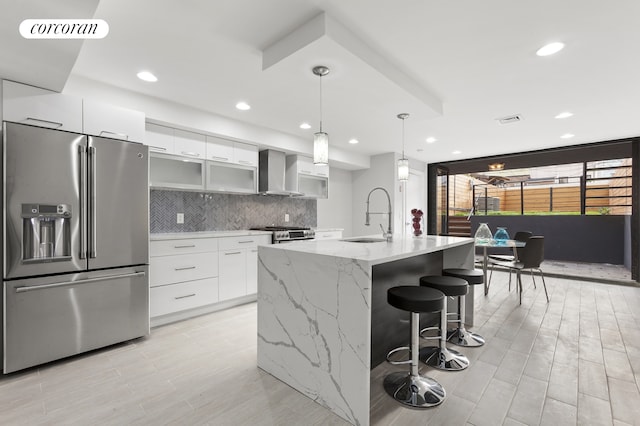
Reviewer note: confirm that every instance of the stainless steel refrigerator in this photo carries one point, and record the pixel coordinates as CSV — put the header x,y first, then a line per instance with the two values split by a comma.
x,y
75,246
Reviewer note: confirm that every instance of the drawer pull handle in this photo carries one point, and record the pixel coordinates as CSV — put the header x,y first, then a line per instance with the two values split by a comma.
x,y
235,252
213,157
185,296
185,268
188,246
245,242
191,153
245,162
157,148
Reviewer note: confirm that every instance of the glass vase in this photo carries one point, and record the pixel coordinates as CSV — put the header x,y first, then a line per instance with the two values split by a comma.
x,y
483,234
501,236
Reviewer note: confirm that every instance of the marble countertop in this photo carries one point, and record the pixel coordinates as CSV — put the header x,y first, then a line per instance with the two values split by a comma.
x,y
206,234
327,229
378,252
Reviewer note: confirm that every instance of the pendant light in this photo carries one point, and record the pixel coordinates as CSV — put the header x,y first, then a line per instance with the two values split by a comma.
x,y
320,139
403,163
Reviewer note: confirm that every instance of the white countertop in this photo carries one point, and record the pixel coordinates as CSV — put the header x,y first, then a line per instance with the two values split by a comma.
x,y
378,252
206,234
327,229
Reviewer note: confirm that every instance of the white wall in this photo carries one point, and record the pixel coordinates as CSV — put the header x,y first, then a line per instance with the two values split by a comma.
x,y
382,173
337,210
178,115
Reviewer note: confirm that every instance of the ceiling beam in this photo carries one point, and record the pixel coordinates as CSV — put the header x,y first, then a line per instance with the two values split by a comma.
x,y
323,26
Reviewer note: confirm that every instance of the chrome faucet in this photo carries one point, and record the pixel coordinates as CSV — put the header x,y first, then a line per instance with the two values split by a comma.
x,y
388,234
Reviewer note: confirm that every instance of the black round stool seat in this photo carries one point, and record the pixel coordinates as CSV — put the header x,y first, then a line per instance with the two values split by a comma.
x,y
413,298
472,276
450,286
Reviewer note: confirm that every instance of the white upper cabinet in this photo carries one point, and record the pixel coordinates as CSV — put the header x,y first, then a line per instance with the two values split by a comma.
x,y
305,166
39,107
227,151
114,122
219,149
44,108
306,178
189,144
245,154
159,138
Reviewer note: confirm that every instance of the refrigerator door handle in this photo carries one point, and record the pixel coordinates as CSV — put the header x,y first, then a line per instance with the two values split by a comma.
x,y
83,201
85,281
92,204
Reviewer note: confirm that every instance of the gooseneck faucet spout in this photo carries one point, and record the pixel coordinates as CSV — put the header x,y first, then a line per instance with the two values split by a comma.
x,y
388,234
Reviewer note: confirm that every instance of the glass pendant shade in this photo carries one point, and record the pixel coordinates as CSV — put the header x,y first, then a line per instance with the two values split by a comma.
x,y
321,148
403,169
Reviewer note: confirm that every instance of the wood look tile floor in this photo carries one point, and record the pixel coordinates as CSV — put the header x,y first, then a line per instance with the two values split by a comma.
x,y
573,361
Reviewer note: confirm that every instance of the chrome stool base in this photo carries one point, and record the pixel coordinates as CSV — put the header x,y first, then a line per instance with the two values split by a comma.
x,y
414,391
463,337
443,358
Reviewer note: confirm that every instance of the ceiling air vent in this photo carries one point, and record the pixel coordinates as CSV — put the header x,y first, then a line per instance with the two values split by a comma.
x,y
510,119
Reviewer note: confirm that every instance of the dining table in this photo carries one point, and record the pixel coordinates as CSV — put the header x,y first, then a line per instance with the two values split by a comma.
x,y
492,243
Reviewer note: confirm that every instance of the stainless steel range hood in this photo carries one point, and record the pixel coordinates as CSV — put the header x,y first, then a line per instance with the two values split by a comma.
x,y
271,174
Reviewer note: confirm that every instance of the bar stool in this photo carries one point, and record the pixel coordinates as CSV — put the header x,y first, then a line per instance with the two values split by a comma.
x,y
440,356
413,389
461,336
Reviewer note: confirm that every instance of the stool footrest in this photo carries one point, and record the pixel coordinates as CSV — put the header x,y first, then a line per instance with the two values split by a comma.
x,y
393,351
424,330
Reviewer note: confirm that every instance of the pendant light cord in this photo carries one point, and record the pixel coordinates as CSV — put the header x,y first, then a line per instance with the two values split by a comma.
x,y
403,138
320,103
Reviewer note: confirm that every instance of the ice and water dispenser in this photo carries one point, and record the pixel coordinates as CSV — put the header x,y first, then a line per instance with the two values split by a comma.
x,y
46,232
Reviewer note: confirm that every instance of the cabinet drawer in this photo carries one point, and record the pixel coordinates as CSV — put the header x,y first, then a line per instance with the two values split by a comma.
x,y
170,247
178,297
250,241
184,267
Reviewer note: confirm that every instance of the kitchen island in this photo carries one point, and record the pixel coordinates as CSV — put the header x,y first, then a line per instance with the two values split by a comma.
x,y
323,317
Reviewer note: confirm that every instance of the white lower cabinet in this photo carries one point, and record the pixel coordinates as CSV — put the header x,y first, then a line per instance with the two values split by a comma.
x,y
233,275
189,275
171,298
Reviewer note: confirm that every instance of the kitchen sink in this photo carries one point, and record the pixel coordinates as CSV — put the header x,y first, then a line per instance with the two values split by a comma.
x,y
364,240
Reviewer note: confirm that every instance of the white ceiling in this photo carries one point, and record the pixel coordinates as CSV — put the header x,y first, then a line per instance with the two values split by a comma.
x,y
472,60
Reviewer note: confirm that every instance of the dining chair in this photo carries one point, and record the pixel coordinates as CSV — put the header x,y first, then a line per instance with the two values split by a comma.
x,y
531,257
522,236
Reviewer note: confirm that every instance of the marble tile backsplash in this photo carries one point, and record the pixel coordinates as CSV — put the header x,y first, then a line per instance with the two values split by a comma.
x,y
226,212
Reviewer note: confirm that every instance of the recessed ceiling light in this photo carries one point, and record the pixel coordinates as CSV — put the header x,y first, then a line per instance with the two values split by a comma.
x,y
353,141
243,106
147,76
431,139
565,114
305,126
550,49
456,152
567,136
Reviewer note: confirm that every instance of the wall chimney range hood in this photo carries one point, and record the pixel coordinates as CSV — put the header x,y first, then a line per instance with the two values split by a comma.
x,y
272,165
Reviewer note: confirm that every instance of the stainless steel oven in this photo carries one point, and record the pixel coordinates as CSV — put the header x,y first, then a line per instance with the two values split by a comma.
x,y
287,234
